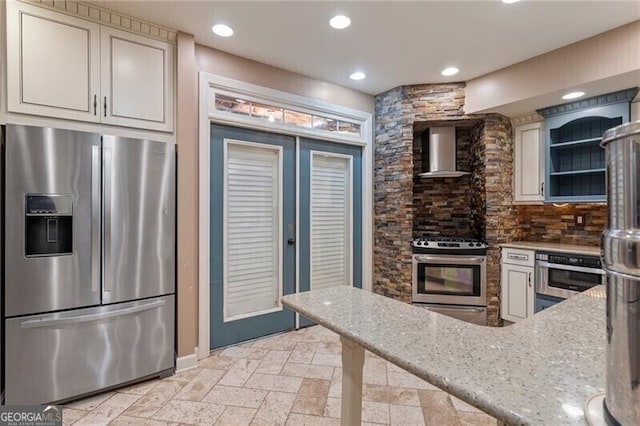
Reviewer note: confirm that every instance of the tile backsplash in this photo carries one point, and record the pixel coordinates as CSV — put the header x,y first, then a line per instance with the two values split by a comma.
x,y
442,206
556,224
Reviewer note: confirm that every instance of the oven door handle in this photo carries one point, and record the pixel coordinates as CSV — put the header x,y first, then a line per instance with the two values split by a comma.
x,y
459,260
562,267
459,308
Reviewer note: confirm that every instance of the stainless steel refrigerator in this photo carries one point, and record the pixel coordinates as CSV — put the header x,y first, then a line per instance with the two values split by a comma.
x,y
89,262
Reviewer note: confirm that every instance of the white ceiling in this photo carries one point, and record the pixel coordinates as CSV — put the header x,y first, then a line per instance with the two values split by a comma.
x,y
394,43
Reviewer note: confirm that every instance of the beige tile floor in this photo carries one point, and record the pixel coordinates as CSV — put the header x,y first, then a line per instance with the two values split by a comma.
x,y
288,379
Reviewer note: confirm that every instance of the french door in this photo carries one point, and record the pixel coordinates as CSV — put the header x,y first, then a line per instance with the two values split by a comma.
x,y
252,233
254,200
330,216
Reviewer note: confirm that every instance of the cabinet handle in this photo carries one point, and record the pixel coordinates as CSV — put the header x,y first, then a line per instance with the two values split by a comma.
x,y
105,106
95,104
518,256
542,189
529,279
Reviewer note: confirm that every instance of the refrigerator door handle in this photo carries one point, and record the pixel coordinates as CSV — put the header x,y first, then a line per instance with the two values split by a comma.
x,y
53,322
95,218
106,203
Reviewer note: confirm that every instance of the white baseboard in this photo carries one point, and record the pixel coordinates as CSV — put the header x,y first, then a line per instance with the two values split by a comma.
x,y
187,362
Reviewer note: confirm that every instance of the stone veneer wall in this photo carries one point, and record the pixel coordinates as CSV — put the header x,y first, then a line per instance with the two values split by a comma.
x,y
479,204
556,224
395,114
501,223
393,193
478,197
442,206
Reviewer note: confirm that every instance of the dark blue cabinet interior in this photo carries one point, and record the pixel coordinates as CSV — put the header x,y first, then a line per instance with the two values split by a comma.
x,y
575,162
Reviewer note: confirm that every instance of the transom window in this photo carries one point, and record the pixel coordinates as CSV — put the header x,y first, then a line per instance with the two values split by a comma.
x,y
272,113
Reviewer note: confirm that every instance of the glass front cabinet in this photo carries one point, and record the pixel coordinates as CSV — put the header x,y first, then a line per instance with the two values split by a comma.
x,y
575,163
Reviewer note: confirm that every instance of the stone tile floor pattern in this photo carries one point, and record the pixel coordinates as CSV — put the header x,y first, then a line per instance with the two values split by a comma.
x,y
288,379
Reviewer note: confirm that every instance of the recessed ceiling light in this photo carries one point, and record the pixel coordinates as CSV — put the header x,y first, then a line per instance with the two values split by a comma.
x,y
357,76
222,30
450,71
510,1
573,95
340,22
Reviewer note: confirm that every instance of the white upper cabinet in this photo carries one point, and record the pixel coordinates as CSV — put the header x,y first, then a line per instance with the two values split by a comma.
x,y
528,170
53,63
137,81
66,67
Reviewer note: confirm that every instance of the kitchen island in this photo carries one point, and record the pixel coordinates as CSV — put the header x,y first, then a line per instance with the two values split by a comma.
x,y
539,371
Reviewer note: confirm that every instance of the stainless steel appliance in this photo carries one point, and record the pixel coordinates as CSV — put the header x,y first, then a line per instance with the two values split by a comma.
x,y
560,276
449,276
90,262
621,259
440,153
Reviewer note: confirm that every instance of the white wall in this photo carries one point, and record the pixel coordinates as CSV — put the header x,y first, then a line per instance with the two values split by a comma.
x,y
606,62
227,65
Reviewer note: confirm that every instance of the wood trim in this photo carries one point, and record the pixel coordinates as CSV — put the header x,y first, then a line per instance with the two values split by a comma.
x,y
532,117
204,321
187,362
225,253
104,16
596,101
349,238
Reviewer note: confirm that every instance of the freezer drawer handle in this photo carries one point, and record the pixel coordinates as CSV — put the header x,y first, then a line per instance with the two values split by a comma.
x,y
39,323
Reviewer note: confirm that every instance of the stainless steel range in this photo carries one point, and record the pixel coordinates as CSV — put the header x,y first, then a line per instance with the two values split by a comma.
x,y
449,277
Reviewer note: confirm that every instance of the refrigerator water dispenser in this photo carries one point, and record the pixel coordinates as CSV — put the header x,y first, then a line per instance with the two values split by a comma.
x,y
48,225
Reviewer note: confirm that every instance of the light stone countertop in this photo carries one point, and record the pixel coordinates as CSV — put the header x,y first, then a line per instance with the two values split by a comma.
x,y
557,247
539,371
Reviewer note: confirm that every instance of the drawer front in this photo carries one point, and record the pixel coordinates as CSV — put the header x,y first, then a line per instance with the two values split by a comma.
x,y
515,256
59,356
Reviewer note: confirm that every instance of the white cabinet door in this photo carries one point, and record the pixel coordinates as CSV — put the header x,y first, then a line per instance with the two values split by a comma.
x,y
529,164
53,63
517,292
137,81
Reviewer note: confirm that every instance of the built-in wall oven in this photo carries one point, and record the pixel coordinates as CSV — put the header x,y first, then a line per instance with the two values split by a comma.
x,y
449,277
560,276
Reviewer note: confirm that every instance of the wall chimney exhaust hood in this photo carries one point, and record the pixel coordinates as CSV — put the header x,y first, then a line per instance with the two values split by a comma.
x,y
439,153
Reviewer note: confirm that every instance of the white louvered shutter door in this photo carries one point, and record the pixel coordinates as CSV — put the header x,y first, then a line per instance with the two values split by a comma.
x,y
253,195
330,221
